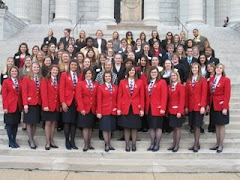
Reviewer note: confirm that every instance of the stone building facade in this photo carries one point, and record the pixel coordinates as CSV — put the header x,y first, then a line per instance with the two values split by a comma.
x,y
211,12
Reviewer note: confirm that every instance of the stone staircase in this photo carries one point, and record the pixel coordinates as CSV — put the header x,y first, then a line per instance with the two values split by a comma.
x,y
119,160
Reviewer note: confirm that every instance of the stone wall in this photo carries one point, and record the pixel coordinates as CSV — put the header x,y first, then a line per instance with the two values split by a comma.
x,y
9,24
88,8
168,11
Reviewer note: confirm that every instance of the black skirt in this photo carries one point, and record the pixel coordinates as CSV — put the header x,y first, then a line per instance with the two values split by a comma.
x,y
174,121
154,122
131,121
218,118
71,115
50,116
87,121
12,118
196,118
33,115
107,123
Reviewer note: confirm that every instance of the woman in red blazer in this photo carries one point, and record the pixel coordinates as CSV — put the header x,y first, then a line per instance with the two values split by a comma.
x,y
32,101
155,106
50,104
196,101
219,97
176,102
86,97
131,106
68,84
12,105
107,108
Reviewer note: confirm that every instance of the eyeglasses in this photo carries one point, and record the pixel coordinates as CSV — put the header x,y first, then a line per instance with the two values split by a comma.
x,y
169,35
129,35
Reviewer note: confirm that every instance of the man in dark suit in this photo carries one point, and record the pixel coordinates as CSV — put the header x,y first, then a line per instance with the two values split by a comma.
x,y
99,42
210,59
187,61
199,40
65,39
168,55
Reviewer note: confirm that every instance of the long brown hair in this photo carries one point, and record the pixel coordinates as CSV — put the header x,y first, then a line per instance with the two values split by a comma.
x,y
30,75
128,70
149,74
48,77
220,64
199,78
178,77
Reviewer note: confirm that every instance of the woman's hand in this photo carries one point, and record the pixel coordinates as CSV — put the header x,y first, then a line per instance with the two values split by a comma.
x,y
46,109
202,110
99,116
119,112
224,111
64,107
26,108
179,115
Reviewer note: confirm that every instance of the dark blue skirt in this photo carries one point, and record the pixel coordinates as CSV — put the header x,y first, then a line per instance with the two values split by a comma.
x,y
12,118
71,115
33,115
174,121
50,116
87,121
131,121
107,123
196,118
218,118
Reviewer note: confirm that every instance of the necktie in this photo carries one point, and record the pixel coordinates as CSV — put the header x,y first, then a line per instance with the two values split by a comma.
x,y
36,81
74,79
131,87
214,85
110,88
150,88
173,87
169,56
55,82
189,60
16,84
193,82
90,85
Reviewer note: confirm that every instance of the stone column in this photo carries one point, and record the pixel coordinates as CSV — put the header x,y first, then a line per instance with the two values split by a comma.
x,y
195,12
45,11
106,11
35,11
22,10
235,12
63,11
151,11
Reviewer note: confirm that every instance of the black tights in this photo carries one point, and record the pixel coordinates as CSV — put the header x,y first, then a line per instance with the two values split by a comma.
x,y
31,129
70,129
12,133
156,135
133,133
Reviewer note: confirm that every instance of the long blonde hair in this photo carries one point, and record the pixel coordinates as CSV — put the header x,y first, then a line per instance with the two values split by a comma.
x,y
31,74
5,69
199,71
62,65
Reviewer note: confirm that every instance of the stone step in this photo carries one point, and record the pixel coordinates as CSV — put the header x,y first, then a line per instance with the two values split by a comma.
x,y
121,165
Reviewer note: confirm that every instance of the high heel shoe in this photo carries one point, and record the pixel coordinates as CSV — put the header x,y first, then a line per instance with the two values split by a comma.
x,y
134,148
156,148
213,148
171,148
85,149
47,148
53,146
68,145
106,148
195,149
111,148
220,149
175,149
127,149
32,147
90,147
192,148
150,148
73,145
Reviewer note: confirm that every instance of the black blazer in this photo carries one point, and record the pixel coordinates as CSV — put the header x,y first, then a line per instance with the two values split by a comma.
x,y
65,42
16,59
103,45
213,60
150,41
182,70
48,41
80,44
120,74
187,65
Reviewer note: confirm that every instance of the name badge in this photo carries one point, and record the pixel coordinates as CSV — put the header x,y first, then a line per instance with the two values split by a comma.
x,y
175,107
17,57
5,76
98,70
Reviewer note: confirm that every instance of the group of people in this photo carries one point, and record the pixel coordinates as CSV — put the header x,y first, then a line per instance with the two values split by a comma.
x,y
123,84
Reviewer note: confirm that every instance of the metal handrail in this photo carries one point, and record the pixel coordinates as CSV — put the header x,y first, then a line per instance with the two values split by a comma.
x,y
78,22
183,27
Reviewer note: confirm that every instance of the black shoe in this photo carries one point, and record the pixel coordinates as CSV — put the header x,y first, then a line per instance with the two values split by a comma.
x,y
202,130
121,139
127,149
32,147
85,149
47,148
53,146
16,145
144,130
192,148
24,129
175,149
134,148
195,149
90,147
59,129
220,149
150,148
156,148
73,145
68,145
170,149
213,148
106,148
111,148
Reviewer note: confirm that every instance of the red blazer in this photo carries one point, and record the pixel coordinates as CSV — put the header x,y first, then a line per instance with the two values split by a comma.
x,y
221,97
30,93
85,99
50,95
67,90
106,101
176,99
158,98
125,99
11,98
196,97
